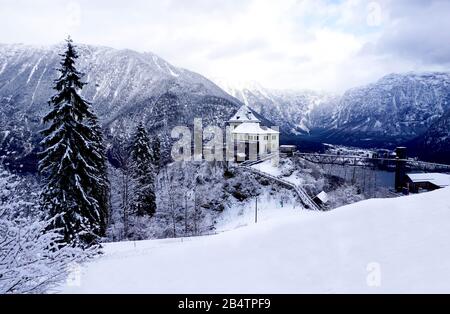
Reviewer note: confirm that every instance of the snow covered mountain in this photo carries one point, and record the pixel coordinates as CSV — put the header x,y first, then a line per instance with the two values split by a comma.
x,y
396,109
124,86
291,110
127,87
435,143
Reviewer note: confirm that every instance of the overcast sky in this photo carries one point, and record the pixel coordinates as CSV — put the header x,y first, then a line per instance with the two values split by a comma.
x,y
297,44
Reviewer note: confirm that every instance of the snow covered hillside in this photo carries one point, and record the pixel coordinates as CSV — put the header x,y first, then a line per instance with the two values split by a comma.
x,y
374,246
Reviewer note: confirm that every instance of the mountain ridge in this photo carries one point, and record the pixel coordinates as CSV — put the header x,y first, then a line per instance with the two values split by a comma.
x,y
397,109
125,87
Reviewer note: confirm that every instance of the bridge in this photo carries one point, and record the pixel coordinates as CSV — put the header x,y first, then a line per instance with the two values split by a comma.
x,y
364,161
401,164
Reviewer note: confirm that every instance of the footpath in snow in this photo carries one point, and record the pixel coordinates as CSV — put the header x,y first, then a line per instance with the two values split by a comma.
x,y
399,245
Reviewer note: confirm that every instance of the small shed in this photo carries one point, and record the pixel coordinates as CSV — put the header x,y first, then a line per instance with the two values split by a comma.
x,y
417,182
321,199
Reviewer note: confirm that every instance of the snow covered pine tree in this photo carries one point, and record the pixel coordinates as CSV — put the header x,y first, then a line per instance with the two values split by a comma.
x,y
73,161
143,172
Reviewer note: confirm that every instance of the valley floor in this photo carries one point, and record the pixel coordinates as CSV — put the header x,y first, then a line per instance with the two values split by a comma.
x,y
375,246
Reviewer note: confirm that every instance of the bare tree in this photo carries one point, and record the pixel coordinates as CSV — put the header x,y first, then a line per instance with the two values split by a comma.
x,y
197,212
185,213
120,155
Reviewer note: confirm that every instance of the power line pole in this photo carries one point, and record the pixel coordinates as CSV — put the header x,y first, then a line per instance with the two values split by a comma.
x,y
185,213
256,210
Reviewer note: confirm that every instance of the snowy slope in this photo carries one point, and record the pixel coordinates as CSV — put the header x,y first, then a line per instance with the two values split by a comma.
x,y
406,239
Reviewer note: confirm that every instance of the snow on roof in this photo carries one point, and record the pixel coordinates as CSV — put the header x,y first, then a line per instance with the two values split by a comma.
x,y
269,130
288,146
244,114
438,179
252,128
323,197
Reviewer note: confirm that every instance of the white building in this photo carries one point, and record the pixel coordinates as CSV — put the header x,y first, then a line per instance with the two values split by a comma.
x,y
418,182
251,137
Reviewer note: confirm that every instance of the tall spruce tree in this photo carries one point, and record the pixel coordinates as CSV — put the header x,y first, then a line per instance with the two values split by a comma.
x,y
73,160
144,173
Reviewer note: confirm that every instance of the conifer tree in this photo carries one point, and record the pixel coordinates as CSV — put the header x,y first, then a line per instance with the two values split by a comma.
x,y
73,160
144,173
156,154
101,189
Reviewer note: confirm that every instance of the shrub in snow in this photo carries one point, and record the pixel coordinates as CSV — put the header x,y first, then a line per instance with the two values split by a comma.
x,y
344,195
17,196
287,167
32,260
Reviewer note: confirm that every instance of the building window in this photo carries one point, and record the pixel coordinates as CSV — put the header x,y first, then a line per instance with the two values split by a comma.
x,y
274,137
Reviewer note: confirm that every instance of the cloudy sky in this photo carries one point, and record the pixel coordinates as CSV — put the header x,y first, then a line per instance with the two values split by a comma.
x,y
316,44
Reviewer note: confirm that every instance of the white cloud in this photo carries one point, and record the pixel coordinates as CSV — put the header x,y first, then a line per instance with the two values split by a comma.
x,y
316,44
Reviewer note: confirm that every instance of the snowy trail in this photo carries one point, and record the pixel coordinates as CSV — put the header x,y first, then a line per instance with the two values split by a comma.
x,y
406,239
